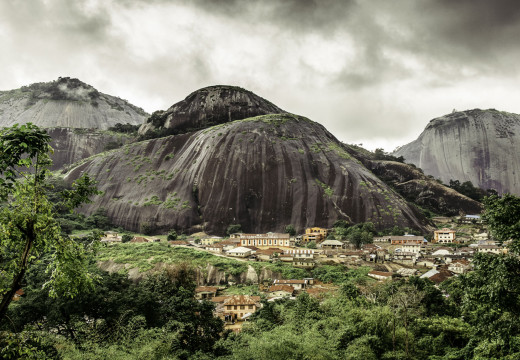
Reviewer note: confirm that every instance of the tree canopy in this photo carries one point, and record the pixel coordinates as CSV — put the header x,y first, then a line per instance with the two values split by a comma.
x,y
28,229
502,215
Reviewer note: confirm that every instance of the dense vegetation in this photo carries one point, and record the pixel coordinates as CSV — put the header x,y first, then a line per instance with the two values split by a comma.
x,y
158,318
467,188
73,310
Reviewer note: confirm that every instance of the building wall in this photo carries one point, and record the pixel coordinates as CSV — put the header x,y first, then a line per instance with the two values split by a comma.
x,y
238,311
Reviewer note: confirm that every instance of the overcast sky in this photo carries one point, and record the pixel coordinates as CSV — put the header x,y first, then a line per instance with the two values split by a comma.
x,y
372,72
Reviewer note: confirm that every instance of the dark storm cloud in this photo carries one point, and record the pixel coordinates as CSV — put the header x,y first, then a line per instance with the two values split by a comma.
x,y
332,60
445,35
475,31
58,17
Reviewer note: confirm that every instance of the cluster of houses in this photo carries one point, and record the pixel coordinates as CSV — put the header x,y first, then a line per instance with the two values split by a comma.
x,y
234,310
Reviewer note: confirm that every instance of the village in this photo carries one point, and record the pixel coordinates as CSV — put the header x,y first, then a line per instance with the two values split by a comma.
x,y
449,253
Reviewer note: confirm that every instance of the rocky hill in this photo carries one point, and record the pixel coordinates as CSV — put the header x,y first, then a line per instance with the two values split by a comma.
x,y
480,146
416,187
206,107
73,145
67,103
264,173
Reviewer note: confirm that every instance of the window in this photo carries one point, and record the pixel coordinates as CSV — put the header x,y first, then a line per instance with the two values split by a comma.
x,y
242,307
250,306
235,307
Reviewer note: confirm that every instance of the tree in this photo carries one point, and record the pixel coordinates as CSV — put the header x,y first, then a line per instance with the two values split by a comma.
x,y
28,229
126,238
289,229
341,224
502,215
311,245
99,220
172,235
233,228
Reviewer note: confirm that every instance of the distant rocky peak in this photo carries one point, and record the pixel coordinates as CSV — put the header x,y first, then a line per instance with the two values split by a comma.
x,y
65,88
207,107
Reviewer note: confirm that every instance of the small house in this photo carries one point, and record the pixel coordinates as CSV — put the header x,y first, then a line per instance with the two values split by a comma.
x,y
380,275
240,251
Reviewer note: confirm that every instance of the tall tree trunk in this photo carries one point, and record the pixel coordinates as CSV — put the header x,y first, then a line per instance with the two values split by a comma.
x,y
17,280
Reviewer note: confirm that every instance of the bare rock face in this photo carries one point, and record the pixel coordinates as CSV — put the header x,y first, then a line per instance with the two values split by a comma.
x,y
73,145
68,103
209,106
480,146
264,173
422,190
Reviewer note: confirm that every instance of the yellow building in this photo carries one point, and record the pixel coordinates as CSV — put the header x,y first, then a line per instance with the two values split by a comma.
x,y
315,234
239,307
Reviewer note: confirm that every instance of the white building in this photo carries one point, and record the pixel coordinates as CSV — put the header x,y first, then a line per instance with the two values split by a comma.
x,y
240,252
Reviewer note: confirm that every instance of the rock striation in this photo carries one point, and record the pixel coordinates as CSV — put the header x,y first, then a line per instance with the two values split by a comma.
x,y
67,103
480,146
423,190
73,145
206,107
263,172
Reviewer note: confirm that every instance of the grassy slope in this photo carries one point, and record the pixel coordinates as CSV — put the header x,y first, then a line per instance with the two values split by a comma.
x,y
145,256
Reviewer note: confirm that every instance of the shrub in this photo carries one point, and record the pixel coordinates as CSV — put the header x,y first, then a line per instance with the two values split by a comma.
x,y
147,228
233,228
289,229
172,235
126,238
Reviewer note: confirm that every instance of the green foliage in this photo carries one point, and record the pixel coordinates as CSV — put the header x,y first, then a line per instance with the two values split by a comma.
x,y
159,314
341,224
357,235
148,228
467,188
126,238
99,219
154,200
125,128
490,301
289,229
234,228
380,154
311,245
172,235
326,189
502,215
111,145
28,228
337,274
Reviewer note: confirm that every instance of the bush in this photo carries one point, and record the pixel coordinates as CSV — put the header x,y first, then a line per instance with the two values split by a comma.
x,y
233,228
289,229
172,235
147,228
126,238
99,220
111,145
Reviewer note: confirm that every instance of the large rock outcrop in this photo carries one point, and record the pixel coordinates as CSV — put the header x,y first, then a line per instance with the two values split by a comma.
x,y
480,146
423,190
68,103
73,145
263,173
206,107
